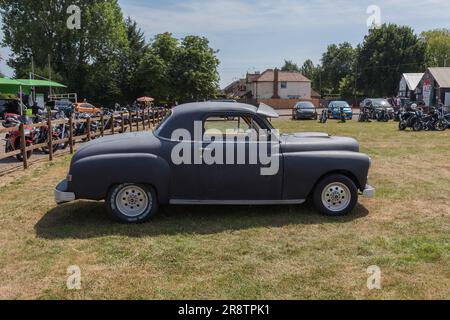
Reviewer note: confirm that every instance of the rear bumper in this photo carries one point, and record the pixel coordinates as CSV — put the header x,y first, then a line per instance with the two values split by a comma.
x,y
369,192
62,195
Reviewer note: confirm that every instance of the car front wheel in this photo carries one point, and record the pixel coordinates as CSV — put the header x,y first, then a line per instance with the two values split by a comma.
x,y
335,195
132,203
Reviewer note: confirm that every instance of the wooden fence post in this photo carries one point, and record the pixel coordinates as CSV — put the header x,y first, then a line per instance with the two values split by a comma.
x,y
149,118
143,120
71,134
123,122
88,126
153,117
131,122
113,129
23,146
102,123
137,121
50,137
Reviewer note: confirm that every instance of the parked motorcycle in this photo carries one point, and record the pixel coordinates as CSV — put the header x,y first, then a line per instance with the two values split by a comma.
x,y
343,115
13,139
382,115
411,119
324,116
365,115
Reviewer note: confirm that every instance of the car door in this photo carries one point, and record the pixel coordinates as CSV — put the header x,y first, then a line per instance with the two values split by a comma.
x,y
236,176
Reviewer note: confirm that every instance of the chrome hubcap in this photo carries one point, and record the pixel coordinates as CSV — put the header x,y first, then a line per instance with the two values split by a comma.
x,y
132,201
336,197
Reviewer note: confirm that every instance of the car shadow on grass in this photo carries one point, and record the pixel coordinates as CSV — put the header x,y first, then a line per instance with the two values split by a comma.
x,y
84,220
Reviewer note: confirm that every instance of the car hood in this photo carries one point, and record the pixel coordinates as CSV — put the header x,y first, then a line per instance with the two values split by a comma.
x,y
124,143
312,141
345,110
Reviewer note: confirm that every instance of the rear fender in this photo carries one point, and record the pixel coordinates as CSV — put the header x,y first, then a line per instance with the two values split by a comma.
x,y
93,177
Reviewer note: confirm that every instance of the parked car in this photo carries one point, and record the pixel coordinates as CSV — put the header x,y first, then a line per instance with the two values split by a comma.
x,y
304,111
88,108
67,107
10,105
334,110
375,106
329,169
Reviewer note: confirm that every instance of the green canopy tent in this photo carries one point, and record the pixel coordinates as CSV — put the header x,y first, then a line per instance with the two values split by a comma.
x,y
41,83
17,85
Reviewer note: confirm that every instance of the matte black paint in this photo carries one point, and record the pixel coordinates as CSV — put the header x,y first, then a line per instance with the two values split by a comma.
x,y
146,159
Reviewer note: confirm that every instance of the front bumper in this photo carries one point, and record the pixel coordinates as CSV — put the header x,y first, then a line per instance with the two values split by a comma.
x,y
62,195
305,115
348,116
369,192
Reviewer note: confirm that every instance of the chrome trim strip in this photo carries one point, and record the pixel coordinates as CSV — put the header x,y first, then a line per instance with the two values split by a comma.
x,y
369,192
235,202
63,197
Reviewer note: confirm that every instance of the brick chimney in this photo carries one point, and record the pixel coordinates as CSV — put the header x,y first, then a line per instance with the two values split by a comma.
x,y
276,81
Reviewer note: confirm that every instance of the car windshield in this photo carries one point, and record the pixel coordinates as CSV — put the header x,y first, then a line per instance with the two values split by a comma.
x,y
381,103
307,106
163,123
340,104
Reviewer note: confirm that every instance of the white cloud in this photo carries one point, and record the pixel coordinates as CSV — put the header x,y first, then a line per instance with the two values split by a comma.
x,y
196,16
202,17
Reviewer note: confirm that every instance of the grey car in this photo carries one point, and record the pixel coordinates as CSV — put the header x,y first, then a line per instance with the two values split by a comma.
x,y
136,172
375,105
304,111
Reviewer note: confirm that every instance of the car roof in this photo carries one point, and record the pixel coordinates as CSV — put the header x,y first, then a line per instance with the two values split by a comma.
x,y
214,107
210,107
184,116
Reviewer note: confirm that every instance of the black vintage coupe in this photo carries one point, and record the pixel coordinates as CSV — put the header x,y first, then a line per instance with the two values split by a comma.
x,y
136,172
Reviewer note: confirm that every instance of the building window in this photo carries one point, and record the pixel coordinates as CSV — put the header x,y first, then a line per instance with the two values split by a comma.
x,y
283,85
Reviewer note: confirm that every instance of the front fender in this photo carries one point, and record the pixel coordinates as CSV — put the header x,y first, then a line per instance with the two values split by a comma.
x,y
303,170
93,176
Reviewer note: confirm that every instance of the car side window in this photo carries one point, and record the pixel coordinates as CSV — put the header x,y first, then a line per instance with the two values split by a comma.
x,y
230,127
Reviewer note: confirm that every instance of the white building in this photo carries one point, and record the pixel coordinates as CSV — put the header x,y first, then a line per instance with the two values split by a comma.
x,y
409,84
275,84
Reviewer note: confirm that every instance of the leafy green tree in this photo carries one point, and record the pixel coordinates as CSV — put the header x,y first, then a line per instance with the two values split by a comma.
x,y
337,63
385,54
131,59
437,47
174,70
87,59
153,74
194,70
312,72
291,66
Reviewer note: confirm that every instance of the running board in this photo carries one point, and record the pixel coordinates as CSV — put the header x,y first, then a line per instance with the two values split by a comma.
x,y
236,202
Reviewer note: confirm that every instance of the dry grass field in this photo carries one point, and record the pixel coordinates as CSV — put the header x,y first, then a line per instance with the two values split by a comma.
x,y
242,252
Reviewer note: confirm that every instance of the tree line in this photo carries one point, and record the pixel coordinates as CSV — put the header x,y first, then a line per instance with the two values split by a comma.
x,y
108,59
374,67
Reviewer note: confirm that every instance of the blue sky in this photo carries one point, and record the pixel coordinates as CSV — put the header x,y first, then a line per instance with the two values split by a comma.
x,y
255,35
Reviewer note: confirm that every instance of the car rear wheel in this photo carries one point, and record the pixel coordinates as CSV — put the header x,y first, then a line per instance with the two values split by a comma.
x,y
132,203
335,195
